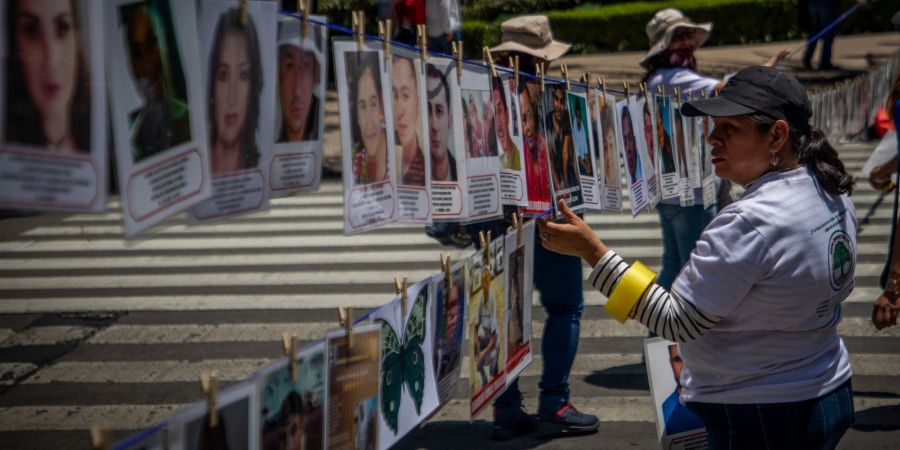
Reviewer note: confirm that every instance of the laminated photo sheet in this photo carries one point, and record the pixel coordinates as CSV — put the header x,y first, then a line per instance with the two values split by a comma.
x,y
665,145
155,437
482,161
449,329
486,327
367,138
235,429
557,128
645,130
676,426
53,124
445,130
510,145
692,137
609,177
682,136
537,162
240,83
292,410
634,167
583,142
158,107
408,391
519,256
301,68
708,176
352,388
409,103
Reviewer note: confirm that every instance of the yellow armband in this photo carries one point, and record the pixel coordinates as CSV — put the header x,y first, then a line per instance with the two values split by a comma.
x,y
635,281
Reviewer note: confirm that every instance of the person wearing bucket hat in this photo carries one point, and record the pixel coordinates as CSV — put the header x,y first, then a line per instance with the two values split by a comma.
x,y
299,78
670,63
755,311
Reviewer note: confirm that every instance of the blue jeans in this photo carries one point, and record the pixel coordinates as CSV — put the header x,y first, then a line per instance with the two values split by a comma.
x,y
681,227
821,14
817,423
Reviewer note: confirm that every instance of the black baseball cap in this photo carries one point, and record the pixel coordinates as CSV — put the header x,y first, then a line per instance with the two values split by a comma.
x,y
758,89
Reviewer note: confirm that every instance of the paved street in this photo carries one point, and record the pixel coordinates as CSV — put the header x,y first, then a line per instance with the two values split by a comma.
x,y
95,329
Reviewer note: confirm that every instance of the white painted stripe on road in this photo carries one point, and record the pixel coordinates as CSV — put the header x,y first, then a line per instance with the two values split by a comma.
x,y
5,333
82,418
10,372
49,335
193,333
144,371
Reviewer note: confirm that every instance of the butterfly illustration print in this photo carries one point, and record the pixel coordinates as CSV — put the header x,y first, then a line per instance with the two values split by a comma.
x,y
403,362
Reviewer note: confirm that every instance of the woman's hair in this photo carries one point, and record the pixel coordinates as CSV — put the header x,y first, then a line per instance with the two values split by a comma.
x,y
816,153
895,95
358,63
230,21
23,122
661,61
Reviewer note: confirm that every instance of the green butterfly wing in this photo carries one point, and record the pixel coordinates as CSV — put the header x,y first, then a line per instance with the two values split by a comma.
x,y
413,357
391,375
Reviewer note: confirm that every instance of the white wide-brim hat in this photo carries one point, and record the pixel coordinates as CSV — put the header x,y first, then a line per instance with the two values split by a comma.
x,y
662,26
530,35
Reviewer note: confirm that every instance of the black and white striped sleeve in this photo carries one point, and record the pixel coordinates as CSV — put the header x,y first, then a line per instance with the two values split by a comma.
x,y
663,312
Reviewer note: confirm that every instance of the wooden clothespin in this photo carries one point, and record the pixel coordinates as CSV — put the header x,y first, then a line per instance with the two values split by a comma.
x,y
644,90
457,48
489,59
625,84
565,74
289,347
423,42
485,239
540,74
100,438
303,9
359,28
678,95
384,32
514,64
345,315
586,80
448,273
209,383
242,12
602,83
518,221
662,89
401,286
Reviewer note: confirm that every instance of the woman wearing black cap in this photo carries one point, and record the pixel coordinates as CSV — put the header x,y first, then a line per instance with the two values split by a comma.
x,y
756,308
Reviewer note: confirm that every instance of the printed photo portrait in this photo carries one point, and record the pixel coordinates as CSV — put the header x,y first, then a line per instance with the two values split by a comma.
x,y
352,389
677,427
629,142
607,109
515,291
681,144
664,133
647,124
154,62
292,410
407,121
231,430
479,126
440,125
509,152
449,330
580,129
235,84
537,166
367,116
560,145
48,80
301,82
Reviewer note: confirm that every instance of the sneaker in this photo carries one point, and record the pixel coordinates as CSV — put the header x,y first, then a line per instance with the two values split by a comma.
x,y
568,421
513,423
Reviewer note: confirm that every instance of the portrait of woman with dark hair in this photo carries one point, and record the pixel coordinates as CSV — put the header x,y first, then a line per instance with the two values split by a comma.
x,y
648,132
235,84
370,152
632,160
48,101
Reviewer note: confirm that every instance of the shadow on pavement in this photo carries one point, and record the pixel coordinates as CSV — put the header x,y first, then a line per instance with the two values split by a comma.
x,y
629,376
880,418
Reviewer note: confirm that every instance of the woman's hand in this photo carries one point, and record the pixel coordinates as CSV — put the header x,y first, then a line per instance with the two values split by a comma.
x,y
573,238
884,311
773,61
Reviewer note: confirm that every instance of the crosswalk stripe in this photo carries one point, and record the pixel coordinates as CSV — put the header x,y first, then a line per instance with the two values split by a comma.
x,y
47,335
12,371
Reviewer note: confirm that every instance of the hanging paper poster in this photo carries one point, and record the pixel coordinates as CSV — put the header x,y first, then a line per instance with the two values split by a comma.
x,y
410,105
519,256
367,140
351,397
449,329
53,147
234,428
292,408
445,130
240,82
565,182
634,167
676,426
642,113
153,438
583,142
158,109
486,323
482,162
301,68
682,156
668,176
706,169
509,140
537,161
610,180
692,137
408,392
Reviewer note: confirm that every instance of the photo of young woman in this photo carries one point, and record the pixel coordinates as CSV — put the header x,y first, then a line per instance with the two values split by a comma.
x,y
48,102
370,152
537,165
407,121
664,133
632,160
607,108
234,87
509,159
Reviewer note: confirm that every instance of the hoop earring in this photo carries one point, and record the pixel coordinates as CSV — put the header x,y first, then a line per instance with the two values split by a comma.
x,y
774,160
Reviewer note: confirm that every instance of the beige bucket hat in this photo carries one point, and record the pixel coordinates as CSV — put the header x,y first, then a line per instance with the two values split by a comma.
x,y
531,35
662,26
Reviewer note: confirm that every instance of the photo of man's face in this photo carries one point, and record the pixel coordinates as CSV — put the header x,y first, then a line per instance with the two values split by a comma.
x,y
630,144
440,124
676,363
648,132
298,75
146,56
